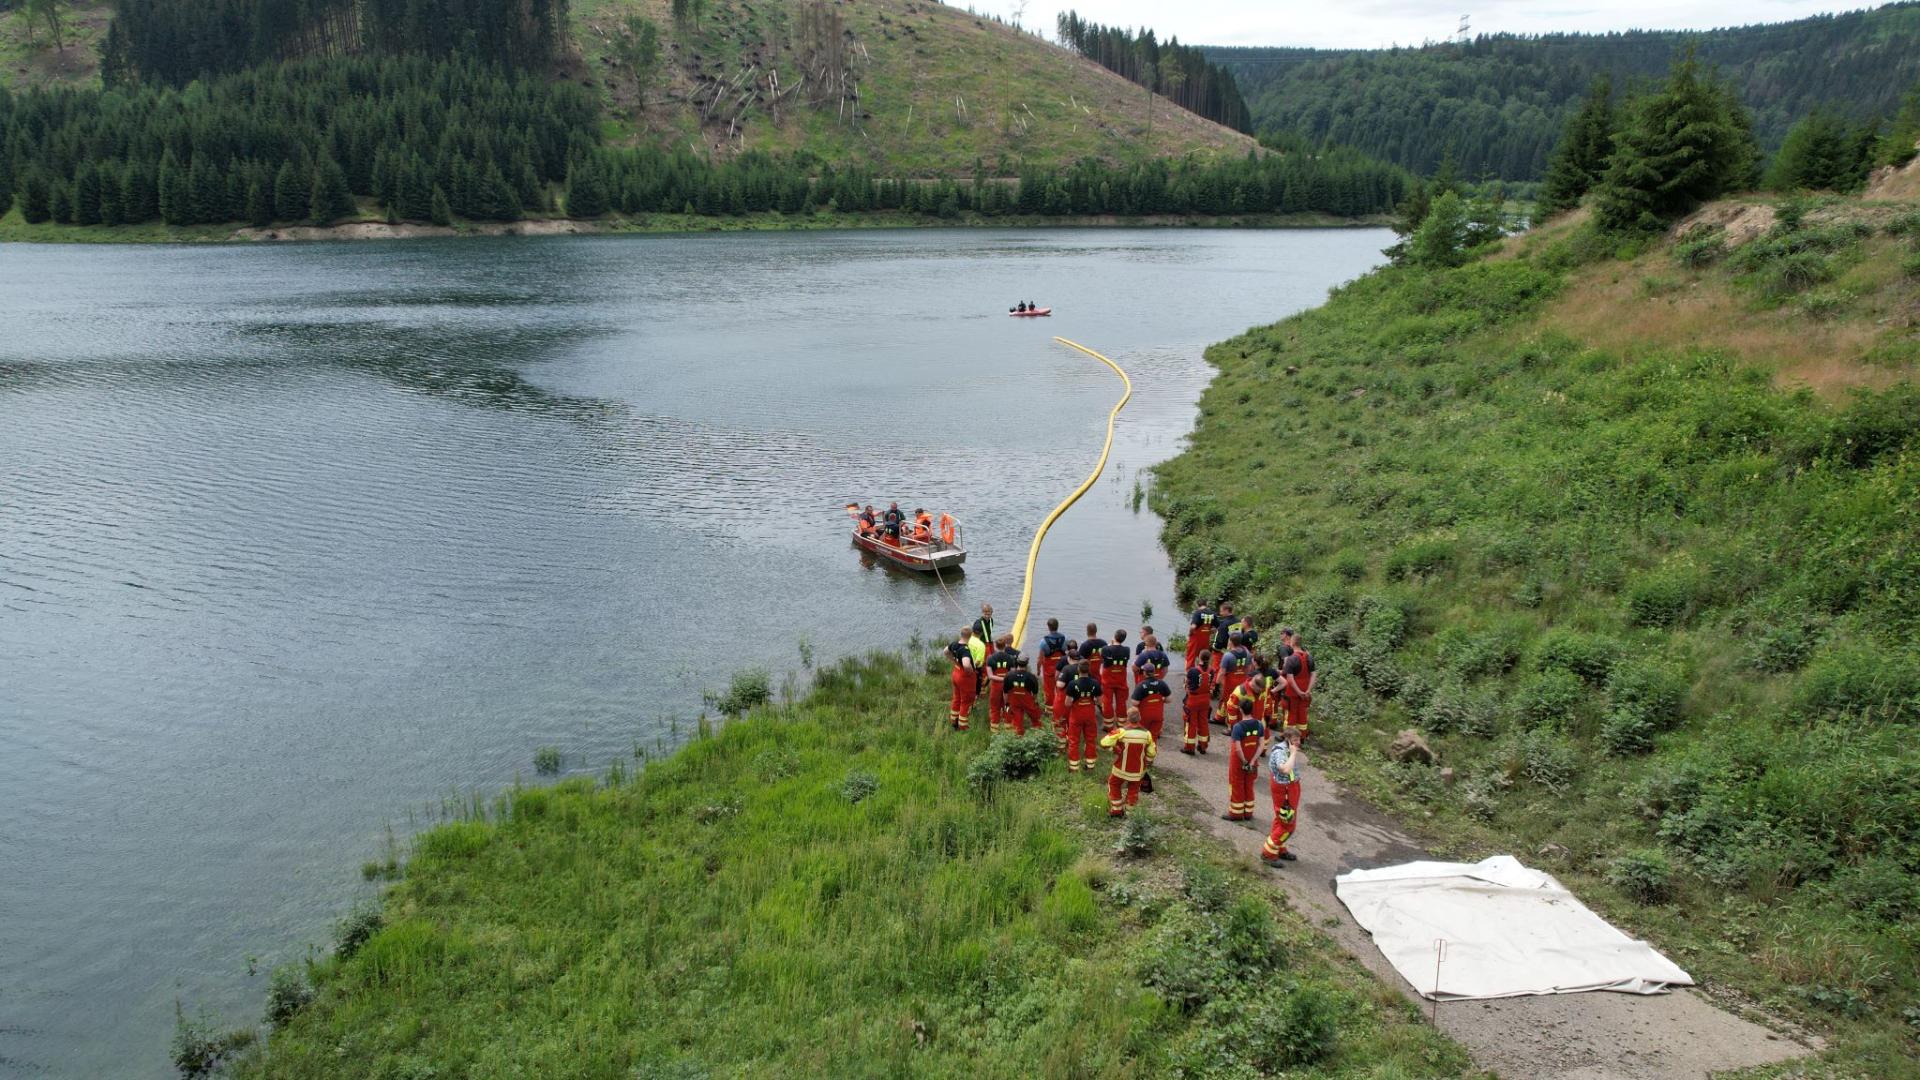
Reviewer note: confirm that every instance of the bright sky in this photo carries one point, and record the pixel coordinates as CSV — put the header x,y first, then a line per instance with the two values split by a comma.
x,y
1381,23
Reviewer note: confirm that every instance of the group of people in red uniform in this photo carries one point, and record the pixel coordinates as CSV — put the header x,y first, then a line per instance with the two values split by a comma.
x,y
1102,694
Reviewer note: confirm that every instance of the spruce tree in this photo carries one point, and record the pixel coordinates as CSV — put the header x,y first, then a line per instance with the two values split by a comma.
x,y
259,203
1583,152
6,188
176,193
36,198
60,203
1442,238
494,199
86,196
1902,140
586,191
1821,153
330,199
292,192
441,213
112,194
1680,146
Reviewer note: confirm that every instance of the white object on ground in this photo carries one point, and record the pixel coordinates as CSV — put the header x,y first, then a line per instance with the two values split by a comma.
x,y
1509,931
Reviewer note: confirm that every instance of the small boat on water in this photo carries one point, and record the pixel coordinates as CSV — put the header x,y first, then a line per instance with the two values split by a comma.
x,y
1031,313
910,554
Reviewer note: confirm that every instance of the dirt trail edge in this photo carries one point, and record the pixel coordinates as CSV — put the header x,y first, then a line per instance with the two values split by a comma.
x,y
1591,1036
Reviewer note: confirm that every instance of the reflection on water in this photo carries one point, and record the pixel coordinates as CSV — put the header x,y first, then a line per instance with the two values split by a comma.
x,y
297,541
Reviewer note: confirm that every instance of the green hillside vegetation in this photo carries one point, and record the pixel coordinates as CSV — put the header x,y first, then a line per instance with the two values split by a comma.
x,y
1181,72
837,888
1499,102
1627,525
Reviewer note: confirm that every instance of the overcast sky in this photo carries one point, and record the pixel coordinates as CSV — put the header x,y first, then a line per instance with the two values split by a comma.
x,y
1380,23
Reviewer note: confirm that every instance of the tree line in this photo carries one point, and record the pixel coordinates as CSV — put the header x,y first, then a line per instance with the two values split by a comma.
x,y
1179,72
177,41
1497,103
432,139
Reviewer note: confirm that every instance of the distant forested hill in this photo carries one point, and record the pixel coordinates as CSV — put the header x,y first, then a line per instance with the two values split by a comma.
x,y
1500,101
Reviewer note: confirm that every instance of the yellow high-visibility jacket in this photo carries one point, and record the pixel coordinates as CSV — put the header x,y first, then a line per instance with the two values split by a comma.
x,y
1133,750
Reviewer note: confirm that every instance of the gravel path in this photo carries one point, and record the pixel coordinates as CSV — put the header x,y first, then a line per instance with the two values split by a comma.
x,y
1591,1036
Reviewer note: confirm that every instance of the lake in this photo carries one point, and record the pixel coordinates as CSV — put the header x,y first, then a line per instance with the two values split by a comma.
x,y
299,544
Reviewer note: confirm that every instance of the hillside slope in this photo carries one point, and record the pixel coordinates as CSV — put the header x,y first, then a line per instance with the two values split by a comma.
x,y
904,87
1627,531
1500,101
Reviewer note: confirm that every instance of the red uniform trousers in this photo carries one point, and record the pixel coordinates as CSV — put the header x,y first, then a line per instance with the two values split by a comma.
x,y
1240,782
1113,699
1153,713
1021,710
1083,734
1049,674
1297,712
996,702
1121,793
1196,641
1196,710
1230,682
1286,816
963,695
1060,715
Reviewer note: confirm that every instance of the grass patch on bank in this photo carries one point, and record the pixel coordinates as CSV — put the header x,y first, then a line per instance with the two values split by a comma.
x,y
829,889
1656,612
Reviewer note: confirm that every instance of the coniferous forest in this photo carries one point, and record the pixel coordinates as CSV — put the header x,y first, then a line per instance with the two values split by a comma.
x,y
1180,72
420,110
1497,103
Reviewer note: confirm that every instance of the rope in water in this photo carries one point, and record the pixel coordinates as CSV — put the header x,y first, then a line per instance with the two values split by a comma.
x,y
1033,554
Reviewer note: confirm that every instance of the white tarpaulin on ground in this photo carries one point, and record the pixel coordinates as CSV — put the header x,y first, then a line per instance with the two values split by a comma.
x,y
1508,930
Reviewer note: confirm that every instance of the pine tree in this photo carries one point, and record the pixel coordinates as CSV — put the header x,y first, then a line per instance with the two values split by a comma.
x,y
441,213
1680,146
1902,140
61,203
586,191
176,194
1821,153
36,198
292,192
259,203
86,196
1584,150
330,199
6,187
1442,239
113,207
494,198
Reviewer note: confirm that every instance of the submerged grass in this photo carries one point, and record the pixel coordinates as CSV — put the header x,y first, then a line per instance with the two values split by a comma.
x,y
1656,611
821,890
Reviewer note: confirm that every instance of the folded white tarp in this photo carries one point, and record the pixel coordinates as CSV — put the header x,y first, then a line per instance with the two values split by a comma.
x,y
1508,931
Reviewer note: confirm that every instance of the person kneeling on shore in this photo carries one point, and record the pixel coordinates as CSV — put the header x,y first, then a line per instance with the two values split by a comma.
x,y
1133,750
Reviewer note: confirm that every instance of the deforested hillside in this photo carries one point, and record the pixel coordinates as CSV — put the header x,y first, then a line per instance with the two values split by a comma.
x,y
908,87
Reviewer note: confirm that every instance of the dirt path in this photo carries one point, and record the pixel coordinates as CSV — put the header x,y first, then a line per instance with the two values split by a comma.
x,y
1592,1036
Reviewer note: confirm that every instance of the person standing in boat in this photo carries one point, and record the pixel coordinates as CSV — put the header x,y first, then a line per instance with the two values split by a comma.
x,y
868,524
892,520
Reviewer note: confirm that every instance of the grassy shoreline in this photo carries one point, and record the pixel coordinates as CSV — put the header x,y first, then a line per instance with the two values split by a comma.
x,y
1626,531
837,887
14,230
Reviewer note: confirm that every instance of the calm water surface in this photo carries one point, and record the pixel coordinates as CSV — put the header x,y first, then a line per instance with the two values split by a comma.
x,y
298,542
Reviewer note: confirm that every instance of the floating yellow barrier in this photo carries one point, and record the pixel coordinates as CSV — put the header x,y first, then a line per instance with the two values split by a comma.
x,y
1033,553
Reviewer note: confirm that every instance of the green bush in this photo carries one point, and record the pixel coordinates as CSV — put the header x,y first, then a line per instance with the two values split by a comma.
x,y
1781,649
1700,252
1349,566
1139,836
546,760
1011,757
1384,621
1646,875
1552,698
1824,304
1589,656
1300,1030
749,690
356,928
1473,655
1862,684
1649,689
1454,709
1419,558
859,785
288,991
1548,761
199,1047
1663,597
1627,732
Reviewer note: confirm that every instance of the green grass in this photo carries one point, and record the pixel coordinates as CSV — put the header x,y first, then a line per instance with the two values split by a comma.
x,y
1647,605
818,890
